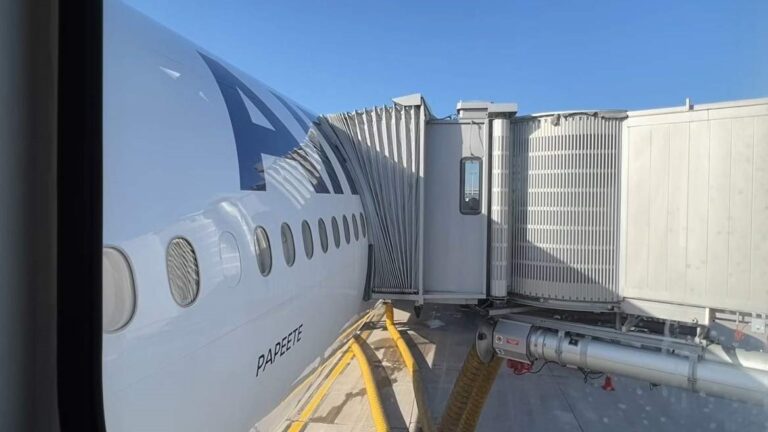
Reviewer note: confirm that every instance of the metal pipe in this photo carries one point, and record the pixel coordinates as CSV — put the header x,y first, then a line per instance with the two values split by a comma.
x,y
705,376
738,357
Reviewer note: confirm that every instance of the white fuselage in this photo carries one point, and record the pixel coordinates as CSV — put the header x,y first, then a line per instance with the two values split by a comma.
x,y
172,168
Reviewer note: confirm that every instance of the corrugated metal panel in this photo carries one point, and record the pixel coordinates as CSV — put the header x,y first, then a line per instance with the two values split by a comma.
x,y
383,148
500,209
695,213
565,207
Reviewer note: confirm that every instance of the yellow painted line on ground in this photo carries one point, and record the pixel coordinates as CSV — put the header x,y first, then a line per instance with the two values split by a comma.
x,y
299,424
352,349
328,362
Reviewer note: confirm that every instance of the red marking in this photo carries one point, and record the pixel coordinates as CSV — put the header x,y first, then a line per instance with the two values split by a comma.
x,y
608,384
513,341
738,335
518,368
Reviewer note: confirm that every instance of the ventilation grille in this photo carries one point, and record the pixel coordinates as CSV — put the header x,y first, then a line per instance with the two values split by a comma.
x,y
565,207
183,272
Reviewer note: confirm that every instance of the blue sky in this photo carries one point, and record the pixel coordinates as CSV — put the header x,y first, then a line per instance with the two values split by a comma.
x,y
545,55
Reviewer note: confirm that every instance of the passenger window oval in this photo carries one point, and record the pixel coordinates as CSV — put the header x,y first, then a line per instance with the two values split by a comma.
x,y
306,235
323,234
289,248
183,271
263,250
336,235
354,227
363,228
119,292
345,221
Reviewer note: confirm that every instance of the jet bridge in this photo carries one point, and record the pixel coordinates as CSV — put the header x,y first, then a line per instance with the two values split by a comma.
x,y
660,212
588,238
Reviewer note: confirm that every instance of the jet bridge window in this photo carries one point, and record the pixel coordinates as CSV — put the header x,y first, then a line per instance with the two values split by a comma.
x,y
289,248
471,193
263,251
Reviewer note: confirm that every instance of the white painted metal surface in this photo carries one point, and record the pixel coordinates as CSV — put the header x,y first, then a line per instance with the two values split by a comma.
x,y
499,259
695,206
564,207
455,244
171,169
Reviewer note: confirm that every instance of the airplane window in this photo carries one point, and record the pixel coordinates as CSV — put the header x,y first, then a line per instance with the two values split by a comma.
x,y
363,228
183,272
289,248
354,227
323,234
336,235
263,251
306,234
119,297
346,228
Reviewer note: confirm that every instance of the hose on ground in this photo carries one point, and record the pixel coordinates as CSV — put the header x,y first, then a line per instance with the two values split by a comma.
x,y
425,418
374,400
479,396
351,350
470,391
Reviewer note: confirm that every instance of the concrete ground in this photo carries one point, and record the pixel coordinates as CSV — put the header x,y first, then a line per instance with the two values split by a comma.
x,y
557,398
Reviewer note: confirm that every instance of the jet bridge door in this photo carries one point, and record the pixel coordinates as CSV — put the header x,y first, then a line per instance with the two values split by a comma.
x,y
456,210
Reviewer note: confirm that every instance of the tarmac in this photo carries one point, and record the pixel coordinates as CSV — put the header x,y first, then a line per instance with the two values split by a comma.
x,y
555,399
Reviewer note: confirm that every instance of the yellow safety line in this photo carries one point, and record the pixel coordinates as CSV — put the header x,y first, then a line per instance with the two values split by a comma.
x,y
352,349
322,368
298,424
418,389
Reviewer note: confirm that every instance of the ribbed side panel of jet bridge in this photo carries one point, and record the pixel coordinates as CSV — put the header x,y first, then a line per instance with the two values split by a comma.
x,y
383,148
565,208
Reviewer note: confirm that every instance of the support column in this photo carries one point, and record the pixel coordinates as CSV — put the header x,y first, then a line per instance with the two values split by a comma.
x,y
499,268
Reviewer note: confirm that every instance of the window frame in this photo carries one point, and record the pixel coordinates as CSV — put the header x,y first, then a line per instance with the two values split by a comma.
x,y
355,228
462,177
194,272
336,232
268,270
306,233
322,230
347,233
286,228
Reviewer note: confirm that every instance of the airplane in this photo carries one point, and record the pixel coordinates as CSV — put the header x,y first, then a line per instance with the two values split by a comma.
x,y
235,243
